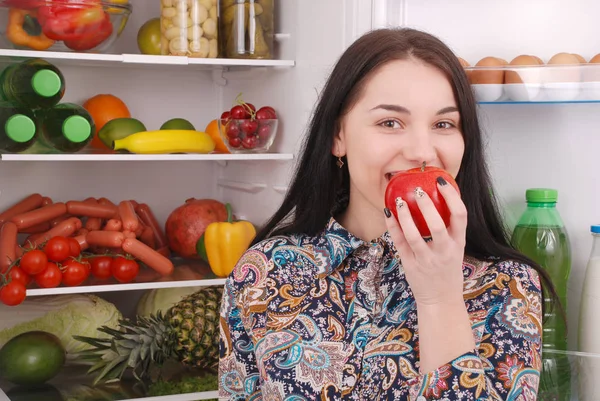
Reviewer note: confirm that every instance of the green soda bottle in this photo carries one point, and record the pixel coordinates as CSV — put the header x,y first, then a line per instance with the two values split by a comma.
x,y
17,129
32,84
541,235
66,127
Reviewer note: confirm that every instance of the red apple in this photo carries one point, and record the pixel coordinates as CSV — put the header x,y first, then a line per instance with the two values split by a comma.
x,y
403,185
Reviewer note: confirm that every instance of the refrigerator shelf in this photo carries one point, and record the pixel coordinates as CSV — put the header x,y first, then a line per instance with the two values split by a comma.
x,y
20,157
138,60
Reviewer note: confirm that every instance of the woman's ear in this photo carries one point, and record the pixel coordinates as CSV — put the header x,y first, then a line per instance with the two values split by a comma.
x,y
339,144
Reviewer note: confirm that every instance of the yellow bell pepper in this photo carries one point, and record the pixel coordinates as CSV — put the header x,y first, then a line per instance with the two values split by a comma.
x,y
226,242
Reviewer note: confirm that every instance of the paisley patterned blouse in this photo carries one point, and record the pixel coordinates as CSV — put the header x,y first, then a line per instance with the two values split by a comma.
x,y
332,317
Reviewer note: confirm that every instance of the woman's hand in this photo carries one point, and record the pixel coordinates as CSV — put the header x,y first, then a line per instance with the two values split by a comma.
x,y
433,269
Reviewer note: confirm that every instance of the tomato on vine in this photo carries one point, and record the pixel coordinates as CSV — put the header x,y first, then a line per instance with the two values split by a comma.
x,y
124,270
13,293
33,262
51,277
74,273
101,267
58,249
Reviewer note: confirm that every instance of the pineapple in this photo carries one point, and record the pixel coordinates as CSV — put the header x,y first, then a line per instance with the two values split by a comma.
x,y
188,331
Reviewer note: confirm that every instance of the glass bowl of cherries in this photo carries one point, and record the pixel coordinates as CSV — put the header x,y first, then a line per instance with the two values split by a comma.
x,y
247,130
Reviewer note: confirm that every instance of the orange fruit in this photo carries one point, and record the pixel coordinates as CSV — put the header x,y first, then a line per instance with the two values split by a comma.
x,y
104,108
212,129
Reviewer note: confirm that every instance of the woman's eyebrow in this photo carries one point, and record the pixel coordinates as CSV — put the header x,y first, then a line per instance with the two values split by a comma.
x,y
446,110
392,107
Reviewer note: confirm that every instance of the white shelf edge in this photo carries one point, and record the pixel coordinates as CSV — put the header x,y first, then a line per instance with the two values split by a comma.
x,y
136,157
143,59
86,289
249,187
205,395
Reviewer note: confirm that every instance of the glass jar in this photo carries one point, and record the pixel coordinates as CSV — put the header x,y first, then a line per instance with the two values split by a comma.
x,y
189,28
246,28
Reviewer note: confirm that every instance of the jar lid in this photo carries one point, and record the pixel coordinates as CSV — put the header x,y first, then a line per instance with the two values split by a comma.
x,y
77,129
20,128
46,83
541,195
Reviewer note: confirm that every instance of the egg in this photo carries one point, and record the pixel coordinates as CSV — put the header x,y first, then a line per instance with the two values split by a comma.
x,y
566,73
592,73
580,58
521,75
465,64
595,59
489,76
539,60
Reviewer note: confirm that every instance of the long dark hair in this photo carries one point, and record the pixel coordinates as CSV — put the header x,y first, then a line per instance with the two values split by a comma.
x,y
320,189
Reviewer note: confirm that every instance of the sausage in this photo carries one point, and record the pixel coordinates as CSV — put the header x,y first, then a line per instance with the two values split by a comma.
x,y
64,229
149,219
93,223
46,201
134,204
18,251
37,229
41,215
147,237
110,239
129,234
26,205
148,256
8,245
82,241
128,217
89,209
104,201
59,219
82,231
113,225
165,251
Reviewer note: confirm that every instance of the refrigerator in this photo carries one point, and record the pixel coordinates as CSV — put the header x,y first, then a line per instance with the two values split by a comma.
x,y
529,144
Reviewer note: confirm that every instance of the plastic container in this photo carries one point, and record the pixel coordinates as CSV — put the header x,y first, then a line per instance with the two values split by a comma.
x,y
32,84
589,323
62,25
66,128
246,28
189,28
17,129
541,235
248,136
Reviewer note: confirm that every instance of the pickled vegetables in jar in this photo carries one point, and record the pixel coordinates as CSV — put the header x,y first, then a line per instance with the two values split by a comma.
x,y
189,28
246,28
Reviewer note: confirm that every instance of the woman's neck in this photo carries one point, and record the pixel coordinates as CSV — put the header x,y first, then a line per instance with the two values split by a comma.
x,y
362,220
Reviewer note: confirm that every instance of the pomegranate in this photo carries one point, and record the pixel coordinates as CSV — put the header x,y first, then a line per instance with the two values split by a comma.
x,y
186,224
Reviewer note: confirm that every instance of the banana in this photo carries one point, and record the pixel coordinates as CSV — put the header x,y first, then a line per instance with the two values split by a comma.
x,y
166,141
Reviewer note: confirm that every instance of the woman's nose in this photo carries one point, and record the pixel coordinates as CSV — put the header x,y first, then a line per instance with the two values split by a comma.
x,y
419,149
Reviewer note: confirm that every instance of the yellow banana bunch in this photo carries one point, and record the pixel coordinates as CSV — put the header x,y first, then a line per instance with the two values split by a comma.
x,y
166,141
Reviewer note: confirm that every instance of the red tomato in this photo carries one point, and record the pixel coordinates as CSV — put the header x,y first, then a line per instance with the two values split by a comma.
x,y
74,247
74,273
239,112
13,293
124,270
403,185
249,127
58,249
266,113
17,274
33,262
101,267
51,277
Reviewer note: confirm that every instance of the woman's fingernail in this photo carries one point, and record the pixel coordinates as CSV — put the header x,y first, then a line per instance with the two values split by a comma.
x,y
441,181
419,193
399,202
387,212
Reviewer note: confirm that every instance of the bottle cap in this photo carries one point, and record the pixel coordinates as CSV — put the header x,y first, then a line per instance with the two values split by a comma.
x,y
46,83
596,229
20,128
77,129
541,195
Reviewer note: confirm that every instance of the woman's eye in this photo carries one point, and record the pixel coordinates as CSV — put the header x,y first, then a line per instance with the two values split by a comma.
x,y
392,124
444,125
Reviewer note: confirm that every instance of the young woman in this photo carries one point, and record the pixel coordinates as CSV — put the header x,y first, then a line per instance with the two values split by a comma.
x,y
339,300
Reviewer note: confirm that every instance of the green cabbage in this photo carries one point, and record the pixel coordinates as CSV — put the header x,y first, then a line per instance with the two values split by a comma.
x,y
61,315
162,299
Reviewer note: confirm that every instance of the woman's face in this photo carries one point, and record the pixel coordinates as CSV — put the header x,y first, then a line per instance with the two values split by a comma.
x,y
406,115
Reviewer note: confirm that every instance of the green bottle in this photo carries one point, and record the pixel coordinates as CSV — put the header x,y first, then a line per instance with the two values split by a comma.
x,y
66,127
17,129
541,235
32,84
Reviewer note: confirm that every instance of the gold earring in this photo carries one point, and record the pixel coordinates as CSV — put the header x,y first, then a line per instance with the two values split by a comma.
x,y
340,162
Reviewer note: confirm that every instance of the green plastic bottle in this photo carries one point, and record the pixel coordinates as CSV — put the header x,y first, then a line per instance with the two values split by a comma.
x,y
66,127
32,84
17,129
541,235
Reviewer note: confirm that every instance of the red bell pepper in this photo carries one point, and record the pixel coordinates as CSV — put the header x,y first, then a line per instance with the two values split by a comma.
x,y
92,38
71,21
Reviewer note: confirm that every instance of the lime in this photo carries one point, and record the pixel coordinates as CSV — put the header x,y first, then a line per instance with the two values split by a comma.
x,y
119,128
178,123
